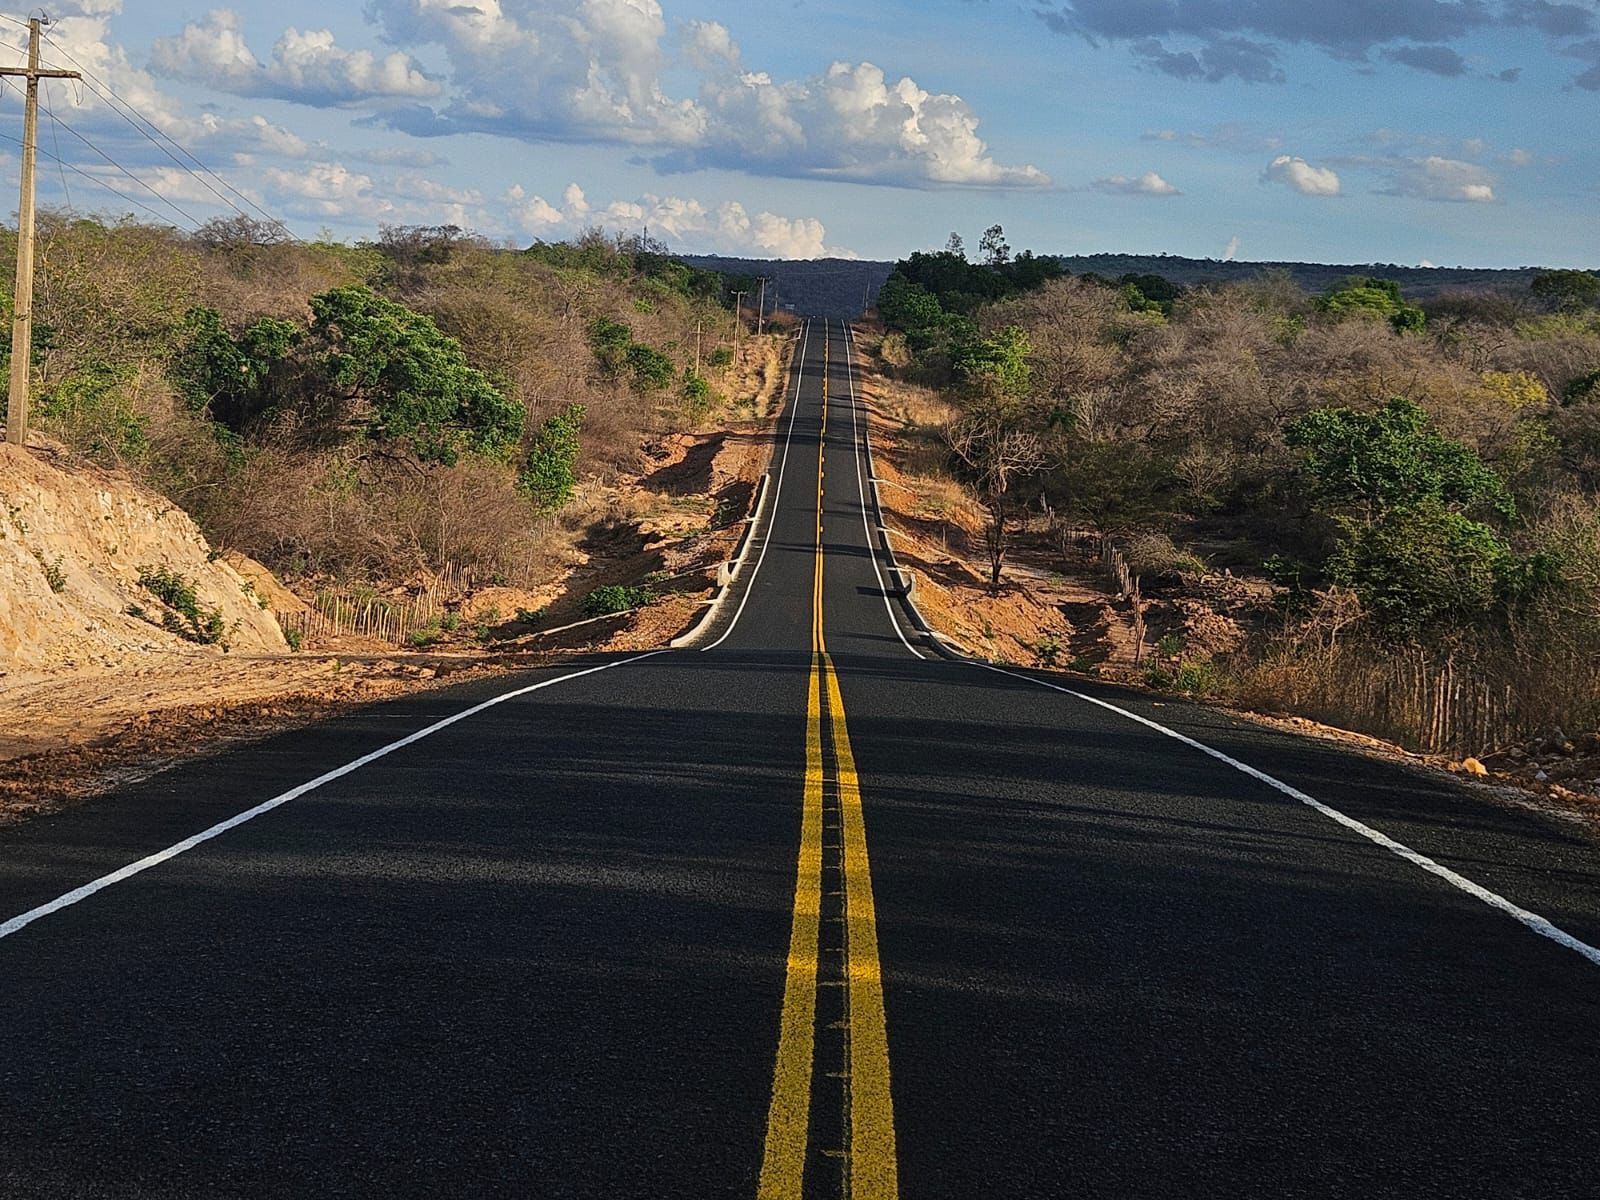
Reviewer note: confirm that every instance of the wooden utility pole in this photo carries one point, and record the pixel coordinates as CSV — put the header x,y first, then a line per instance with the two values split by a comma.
x,y
738,315
761,305
22,319
697,325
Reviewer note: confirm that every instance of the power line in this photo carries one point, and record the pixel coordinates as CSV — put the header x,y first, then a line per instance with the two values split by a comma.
x,y
172,204
94,179
55,139
140,123
144,125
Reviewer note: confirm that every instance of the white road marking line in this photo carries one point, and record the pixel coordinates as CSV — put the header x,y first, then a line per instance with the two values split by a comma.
x,y
1539,925
78,894
777,497
144,864
861,488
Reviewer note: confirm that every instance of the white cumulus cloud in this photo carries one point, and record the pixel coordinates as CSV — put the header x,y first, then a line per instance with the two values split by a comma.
x,y
595,71
1446,179
329,190
1148,184
308,66
1300,175
683,223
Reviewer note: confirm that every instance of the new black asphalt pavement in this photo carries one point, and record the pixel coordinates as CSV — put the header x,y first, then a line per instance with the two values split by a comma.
x,y
541,952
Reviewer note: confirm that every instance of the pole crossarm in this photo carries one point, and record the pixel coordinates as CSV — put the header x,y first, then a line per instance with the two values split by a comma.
x,y
39,73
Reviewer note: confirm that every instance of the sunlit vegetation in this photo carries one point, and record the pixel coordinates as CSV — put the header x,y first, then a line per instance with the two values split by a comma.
x,y
1418,480
374,410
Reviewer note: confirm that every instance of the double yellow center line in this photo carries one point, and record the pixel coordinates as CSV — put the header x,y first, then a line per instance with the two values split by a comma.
x,y
868,1157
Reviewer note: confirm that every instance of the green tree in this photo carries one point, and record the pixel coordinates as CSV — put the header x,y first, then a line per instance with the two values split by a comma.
x,y
998,440
549,475
697,395
908,306
1149,293
1391,457
1378,297
1400,496
1423,566
1583,389
229,377
408,380
1567,290
994,365
993,246
610,340
652,370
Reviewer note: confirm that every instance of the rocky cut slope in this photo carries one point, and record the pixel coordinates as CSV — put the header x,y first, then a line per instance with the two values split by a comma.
x,y
94,567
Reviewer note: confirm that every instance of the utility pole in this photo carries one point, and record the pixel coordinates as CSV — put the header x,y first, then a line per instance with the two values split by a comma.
x,y
761,306
738,315
697,326
22,321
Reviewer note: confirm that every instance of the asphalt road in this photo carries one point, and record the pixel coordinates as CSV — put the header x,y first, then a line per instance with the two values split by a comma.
x,y
804,911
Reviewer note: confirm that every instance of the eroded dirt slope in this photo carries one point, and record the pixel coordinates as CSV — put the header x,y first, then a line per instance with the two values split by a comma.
x,y
73,546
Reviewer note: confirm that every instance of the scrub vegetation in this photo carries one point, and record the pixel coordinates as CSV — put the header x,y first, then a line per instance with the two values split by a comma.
x,y
1418,482
375,411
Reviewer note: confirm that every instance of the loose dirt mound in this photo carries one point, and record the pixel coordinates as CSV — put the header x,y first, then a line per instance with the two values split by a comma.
x,y
73,545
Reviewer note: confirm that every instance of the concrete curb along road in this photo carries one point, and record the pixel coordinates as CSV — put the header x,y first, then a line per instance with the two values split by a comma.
x,y
719,595
951,650
938,641
691,636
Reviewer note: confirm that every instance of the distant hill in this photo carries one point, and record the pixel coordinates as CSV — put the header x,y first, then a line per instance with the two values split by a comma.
x,y
822,287
837,287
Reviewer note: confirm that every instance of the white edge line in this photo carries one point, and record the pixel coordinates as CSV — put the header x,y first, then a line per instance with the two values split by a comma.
x,y
858,455
154,860
83,892
777,497
1540,925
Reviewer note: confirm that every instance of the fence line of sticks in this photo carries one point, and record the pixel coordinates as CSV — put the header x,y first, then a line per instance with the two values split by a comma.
x,y
1115,564
1112,558
1449,706
345,611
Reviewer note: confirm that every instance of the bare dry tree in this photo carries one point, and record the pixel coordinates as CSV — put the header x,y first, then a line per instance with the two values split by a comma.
x,y
999,451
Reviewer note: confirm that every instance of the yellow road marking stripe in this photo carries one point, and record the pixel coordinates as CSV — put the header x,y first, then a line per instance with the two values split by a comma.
x,y
784,1156
874,1174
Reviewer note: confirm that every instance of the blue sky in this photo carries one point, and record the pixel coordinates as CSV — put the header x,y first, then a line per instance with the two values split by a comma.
x,y
1443,131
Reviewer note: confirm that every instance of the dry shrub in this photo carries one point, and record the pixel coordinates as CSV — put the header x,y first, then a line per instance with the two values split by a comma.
x,y
1475,693
248,282
1077,332
113,294
1153,554
337,513
894,351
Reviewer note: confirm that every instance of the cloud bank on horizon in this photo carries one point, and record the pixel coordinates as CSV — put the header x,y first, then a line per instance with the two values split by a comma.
x,y
777,135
